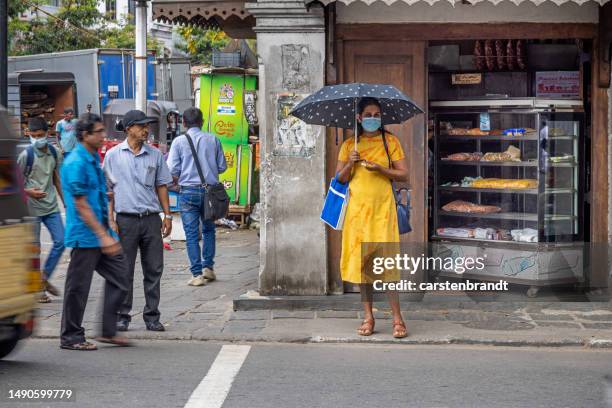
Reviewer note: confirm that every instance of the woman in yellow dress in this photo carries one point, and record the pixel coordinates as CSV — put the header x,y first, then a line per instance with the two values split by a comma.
x,y
371,215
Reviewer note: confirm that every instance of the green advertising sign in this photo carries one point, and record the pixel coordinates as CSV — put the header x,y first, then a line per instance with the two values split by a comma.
x,y
222,104
229,177
246,174
237,177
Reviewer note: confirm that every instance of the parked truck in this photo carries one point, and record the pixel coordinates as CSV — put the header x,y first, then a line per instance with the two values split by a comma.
x,y
44,94
101,75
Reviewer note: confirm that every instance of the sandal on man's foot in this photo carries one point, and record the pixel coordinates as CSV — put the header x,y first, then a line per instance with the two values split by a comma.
x,y
366,328
116,340
51,289
399,330
84,346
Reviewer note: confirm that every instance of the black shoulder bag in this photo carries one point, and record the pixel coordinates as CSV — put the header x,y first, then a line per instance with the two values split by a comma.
x,y
215,201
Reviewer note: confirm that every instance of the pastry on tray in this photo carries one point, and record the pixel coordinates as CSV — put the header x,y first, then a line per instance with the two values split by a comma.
x,y
509,184
463,157
468,207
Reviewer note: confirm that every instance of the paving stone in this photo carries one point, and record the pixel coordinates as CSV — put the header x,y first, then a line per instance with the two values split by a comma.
x,y
606,326
555,317
251,315
558,324
599,317
337,314
498,324
464,316
244,326
424,315
296,314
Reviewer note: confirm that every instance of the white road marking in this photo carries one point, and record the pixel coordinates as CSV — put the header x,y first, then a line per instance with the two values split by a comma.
x,y
213,390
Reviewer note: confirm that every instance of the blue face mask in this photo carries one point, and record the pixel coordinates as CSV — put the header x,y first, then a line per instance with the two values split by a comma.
x,y
371,124
38,143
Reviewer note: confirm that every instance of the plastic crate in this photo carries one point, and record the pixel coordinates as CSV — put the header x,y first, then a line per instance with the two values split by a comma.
x,y
226,59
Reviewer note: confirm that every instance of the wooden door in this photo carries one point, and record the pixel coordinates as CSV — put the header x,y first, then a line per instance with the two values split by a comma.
x,y
402,64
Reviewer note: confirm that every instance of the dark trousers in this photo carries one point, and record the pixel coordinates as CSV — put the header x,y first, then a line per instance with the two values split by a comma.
x,y
142,233
83,262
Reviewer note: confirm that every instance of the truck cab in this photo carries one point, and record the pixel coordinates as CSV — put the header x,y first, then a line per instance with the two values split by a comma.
x,y
19,273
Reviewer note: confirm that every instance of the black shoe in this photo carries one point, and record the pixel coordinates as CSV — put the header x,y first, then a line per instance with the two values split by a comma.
x,y
122,325
155,326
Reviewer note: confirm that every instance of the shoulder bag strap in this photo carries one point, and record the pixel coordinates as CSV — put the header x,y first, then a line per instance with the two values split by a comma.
x,y
386,148
195,158
398,197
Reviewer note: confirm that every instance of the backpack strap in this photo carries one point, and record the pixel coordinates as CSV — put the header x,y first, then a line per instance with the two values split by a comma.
x,y
53,153
29,161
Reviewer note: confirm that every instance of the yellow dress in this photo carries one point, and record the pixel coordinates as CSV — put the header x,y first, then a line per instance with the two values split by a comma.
x,y
371,215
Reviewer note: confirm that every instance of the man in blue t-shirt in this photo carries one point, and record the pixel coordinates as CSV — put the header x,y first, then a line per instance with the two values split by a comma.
x,y
66,130
95,245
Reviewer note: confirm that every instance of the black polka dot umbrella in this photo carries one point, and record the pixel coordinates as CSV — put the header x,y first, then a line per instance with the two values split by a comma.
x,y
335,105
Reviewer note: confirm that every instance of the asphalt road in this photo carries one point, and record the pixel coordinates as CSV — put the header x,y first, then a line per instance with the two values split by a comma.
x,y
167,373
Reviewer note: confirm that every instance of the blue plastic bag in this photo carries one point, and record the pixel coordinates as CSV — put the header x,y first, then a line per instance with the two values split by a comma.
x,y
336,202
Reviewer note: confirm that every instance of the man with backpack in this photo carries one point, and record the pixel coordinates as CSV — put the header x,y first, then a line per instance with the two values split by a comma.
x,y
40,163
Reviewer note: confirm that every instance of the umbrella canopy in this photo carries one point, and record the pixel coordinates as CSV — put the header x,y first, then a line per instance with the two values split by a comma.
x,y
335,105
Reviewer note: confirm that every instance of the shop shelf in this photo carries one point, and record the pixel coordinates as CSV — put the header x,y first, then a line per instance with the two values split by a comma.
x,y
489,190
519,216
490,164
483,241
496,216
531,136
559,191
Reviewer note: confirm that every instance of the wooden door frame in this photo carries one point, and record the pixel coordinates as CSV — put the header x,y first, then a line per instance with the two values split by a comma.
x,y
340,33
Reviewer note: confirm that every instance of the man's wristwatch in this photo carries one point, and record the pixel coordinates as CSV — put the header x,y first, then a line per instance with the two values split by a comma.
x,y
168,216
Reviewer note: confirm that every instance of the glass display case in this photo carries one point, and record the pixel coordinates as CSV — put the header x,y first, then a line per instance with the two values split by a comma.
x,y
509,178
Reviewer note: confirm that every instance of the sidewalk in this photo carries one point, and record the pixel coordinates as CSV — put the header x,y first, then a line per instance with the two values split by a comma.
x,y
206,313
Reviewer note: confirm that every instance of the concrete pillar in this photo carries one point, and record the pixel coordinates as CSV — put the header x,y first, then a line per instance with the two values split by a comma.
x,y
291,52
610,160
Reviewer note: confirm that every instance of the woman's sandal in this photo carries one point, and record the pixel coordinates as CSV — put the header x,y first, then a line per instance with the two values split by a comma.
x,y
84,346
366,328
399,330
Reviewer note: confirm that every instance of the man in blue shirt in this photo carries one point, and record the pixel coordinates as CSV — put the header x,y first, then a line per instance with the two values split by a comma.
x,y
95,244
139,179
66,129
183,169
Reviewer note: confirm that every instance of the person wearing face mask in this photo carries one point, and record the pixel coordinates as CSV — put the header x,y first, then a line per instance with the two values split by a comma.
x,y
139,179
371,215
39,164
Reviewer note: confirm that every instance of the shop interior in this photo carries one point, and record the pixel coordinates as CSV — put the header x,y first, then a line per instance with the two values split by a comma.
x,y
509,157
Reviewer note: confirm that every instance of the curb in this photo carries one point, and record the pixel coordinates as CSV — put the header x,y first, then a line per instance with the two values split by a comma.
x,y
449,340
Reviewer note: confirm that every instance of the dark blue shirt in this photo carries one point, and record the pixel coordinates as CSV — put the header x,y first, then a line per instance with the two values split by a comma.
x,y
82,176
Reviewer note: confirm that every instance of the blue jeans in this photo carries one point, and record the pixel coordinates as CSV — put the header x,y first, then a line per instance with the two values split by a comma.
x,y
190,204
54,224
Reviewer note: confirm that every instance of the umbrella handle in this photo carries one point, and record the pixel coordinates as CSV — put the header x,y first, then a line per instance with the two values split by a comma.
x,y
355,119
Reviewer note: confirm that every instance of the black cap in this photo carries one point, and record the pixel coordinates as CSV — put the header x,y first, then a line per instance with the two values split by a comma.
x,y
136,117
